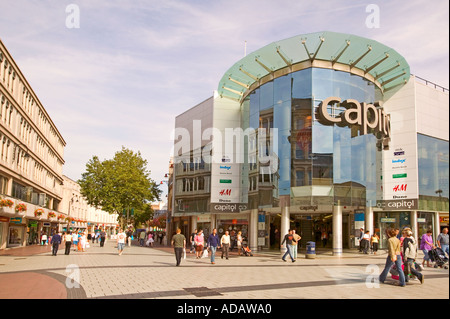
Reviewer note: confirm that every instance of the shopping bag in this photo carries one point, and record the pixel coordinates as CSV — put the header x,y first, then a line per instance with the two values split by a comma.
x,y
205,253
184,253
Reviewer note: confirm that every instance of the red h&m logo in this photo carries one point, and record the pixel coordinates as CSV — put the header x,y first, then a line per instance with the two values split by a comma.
x,y
225,192
400,188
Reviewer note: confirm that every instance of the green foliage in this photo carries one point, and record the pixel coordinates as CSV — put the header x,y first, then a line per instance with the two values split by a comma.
x,y
119,183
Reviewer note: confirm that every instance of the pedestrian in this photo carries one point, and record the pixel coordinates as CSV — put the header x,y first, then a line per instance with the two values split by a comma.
x,y
150,239
83,240
179,244
68,241
121,238
324,237
365,242
141,238
426,244
442,241
361,234
295,240
288,239
75,240
374,240
97,236
44,239
213,243
129,234
239,240
56,240
160,237
393,257
192,241
410,255
102,238
199,243
225,243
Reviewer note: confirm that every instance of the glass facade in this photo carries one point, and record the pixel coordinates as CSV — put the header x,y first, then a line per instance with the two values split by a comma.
x,y
315,164
433,160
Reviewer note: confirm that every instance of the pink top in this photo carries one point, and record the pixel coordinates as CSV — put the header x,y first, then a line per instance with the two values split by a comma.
x,y
199,239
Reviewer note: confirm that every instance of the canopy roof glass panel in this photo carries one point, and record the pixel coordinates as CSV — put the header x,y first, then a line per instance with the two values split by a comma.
x,y
377,62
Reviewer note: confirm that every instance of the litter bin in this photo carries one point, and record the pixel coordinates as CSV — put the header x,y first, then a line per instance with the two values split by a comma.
x,y
310,250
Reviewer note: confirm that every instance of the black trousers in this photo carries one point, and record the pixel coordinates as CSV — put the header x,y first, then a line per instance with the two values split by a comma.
x,y
178,254
102,241
55,247
68,245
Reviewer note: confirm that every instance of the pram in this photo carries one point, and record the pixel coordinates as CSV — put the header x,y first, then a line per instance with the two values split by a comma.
x,y
437,256
245,249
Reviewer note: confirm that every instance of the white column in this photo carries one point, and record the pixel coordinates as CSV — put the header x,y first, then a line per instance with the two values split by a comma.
x,y
337,230
285,216
193,224
437,227
368,220
253,231
414,224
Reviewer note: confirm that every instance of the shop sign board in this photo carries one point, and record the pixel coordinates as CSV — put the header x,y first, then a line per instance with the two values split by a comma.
x,y
387,220
15,220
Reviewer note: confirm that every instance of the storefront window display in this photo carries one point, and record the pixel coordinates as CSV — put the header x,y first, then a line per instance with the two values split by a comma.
x,y
386,220
15,236
425,221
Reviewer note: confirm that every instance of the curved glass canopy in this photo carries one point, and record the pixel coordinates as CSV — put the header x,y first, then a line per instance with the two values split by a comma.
x,y
345,52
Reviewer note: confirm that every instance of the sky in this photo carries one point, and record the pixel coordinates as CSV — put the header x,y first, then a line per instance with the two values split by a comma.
x,y
130,67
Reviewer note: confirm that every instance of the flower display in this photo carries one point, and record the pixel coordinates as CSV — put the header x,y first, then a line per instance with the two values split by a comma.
x,y
6,203
38,212
21,208
51,215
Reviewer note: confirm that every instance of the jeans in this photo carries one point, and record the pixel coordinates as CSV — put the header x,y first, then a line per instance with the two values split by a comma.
x,y
120,246
294,251
388,266
445,249
55,247
425,255
141,241
213,253
409,268
288,251
178,254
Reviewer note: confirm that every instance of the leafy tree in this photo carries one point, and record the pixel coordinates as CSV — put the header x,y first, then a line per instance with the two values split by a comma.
x,y
119,184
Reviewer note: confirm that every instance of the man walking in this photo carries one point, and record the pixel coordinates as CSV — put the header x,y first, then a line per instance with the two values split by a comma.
x,y
442,241
179,244
121,237
56,240
68,240
225,243
213,243
129,235
102,238
141,238
288,239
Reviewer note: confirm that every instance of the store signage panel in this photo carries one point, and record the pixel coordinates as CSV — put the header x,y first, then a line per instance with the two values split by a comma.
x,y
387,220
15,220
400,204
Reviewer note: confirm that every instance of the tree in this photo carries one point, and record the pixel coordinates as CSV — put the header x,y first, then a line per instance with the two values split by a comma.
x,y
119,184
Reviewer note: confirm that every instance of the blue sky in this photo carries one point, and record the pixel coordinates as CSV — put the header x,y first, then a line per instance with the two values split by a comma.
x,y
132,66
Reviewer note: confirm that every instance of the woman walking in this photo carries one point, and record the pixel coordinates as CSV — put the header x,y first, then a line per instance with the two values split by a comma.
x,y
375,240
199,243
393,257
239,240
426,244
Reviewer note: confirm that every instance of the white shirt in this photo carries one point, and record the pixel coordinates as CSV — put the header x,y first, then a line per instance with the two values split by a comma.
x,y
121,238
225,239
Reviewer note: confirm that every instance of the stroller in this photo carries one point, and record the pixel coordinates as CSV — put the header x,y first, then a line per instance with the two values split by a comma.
x,y
437,256
245,249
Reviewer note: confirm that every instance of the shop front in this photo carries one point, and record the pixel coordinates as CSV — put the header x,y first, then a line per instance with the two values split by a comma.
x,y
233,224
16,232
443,220
425,222
33,232
386,220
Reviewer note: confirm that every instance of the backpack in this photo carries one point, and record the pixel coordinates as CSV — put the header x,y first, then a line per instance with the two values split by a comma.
x,y
411,250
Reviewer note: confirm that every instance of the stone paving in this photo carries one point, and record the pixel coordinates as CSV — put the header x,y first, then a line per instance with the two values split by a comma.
x,y
141,272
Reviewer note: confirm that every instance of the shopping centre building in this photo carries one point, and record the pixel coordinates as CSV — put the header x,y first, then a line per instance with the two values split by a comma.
x,y
325,133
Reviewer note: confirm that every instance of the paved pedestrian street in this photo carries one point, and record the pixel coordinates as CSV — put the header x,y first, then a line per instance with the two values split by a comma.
x,y
141,272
